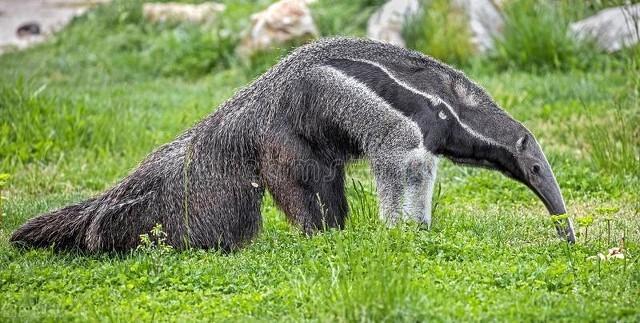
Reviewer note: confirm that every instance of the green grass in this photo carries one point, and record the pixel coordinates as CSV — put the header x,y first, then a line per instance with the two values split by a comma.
x,y
441,30
79,112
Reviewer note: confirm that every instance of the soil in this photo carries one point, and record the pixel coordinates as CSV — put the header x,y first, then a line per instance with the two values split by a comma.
x,y
48,15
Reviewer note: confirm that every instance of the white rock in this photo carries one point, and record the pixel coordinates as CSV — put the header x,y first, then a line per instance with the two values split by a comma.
x,y
485,22
387,22
172,11
281,22
612,29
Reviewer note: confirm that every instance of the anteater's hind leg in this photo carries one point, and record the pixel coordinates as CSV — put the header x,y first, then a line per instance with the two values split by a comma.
x,y
309,190
224,210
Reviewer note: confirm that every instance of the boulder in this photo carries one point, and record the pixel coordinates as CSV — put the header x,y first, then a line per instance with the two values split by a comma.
x,y
281,22
613,29
182,12
387,22
485,22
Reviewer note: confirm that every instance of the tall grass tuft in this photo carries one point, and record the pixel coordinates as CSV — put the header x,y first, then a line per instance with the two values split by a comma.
x,y
343,17
536,37
615,146
616,149
441,30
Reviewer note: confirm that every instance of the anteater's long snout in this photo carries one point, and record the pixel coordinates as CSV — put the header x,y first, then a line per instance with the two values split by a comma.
x,y
548,190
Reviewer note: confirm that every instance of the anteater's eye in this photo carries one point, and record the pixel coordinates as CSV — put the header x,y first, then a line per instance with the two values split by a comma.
x,y
442,115
536,169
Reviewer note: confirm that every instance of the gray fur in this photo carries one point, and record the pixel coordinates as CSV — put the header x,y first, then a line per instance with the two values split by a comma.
x,y
291,131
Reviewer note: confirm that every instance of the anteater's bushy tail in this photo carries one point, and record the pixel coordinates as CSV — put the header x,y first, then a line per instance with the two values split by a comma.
x,y
64,228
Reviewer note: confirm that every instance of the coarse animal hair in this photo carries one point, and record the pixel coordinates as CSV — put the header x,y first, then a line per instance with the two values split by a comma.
x,y
292,131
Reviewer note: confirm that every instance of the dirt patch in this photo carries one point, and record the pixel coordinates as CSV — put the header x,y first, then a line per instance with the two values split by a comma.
x,y
48,15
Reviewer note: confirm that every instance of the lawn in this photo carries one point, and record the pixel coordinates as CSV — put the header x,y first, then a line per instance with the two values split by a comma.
x,y
79,112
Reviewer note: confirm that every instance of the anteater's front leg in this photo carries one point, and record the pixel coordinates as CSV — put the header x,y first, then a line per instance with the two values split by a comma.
x,y
420,168
405,178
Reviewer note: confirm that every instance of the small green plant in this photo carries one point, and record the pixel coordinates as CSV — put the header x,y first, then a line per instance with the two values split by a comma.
x,y
559,218
154,241
153,251
442,31
607,214
585,222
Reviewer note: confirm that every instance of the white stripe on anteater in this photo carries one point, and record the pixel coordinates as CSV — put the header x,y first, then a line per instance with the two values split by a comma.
x,y
434,99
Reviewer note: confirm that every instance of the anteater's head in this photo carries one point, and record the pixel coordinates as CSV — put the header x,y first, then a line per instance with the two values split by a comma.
x,y
473,130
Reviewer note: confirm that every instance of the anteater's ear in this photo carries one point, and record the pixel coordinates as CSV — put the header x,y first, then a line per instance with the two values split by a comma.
x,y
521,144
